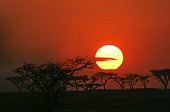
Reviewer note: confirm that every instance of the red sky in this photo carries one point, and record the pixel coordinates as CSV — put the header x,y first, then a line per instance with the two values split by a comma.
x,y
48,30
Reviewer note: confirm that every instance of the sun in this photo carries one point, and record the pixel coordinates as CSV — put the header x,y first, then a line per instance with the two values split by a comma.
x,y
109,57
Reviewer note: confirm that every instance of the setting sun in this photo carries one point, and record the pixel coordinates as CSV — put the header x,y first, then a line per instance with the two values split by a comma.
x,y
109,57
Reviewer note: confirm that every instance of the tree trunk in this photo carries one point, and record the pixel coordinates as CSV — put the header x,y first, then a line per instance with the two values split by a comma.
x,y
90,88
131,87
122,87
104,86
72,88
144,86
20,90
77,88
165,86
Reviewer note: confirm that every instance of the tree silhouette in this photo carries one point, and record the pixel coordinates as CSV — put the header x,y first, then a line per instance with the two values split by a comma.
x,y
121,80
50,80
144,80
104,77
84,82
93,83
19,82
162,75
90,83
76,81
132,79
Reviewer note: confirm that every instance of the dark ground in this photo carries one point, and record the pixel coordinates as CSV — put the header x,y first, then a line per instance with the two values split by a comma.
x,y
151,100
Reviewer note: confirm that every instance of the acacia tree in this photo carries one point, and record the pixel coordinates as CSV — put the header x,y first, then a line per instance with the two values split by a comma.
x,y
144,80
132,79
84,82
121,81
93,84
90,83
19,82
51,79
104,77
75,81
162,75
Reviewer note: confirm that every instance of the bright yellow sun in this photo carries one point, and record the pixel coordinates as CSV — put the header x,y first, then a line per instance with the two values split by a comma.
x,y
109,57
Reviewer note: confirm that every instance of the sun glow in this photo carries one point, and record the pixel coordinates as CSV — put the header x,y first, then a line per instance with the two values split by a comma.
x,y
109,57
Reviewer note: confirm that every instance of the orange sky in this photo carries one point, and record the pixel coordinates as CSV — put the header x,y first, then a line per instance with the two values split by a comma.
x,y
47,30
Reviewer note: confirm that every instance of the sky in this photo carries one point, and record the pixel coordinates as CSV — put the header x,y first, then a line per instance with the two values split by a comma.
x,y
49,30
